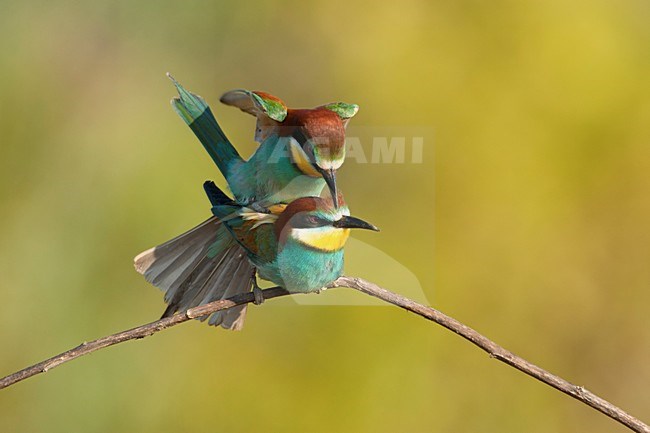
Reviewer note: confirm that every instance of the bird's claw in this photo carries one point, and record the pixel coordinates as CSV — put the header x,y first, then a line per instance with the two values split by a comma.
x,y
257,292
259,295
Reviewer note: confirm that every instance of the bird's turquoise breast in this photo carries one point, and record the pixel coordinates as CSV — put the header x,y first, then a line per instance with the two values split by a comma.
x,y
299,269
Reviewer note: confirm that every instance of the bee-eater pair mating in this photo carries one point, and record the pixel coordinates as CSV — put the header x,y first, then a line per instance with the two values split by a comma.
x,y
277,226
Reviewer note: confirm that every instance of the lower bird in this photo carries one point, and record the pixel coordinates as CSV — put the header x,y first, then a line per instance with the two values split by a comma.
x,y
298,246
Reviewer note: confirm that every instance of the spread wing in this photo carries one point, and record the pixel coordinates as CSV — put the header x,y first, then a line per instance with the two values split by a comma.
x,y
202,265
269,110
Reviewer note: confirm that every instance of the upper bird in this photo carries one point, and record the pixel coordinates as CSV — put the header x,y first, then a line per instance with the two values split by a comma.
x,y
300,149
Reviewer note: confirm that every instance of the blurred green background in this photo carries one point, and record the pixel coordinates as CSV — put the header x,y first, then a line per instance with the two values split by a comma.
x,y
528,218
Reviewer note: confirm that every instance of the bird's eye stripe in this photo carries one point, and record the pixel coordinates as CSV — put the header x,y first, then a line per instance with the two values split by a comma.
x,y
310,221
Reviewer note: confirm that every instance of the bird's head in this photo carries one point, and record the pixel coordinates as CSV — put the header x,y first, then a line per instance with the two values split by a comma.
x,y
316,223
317,135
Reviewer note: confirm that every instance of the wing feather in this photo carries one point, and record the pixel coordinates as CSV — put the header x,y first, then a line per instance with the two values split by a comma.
x,y
202,265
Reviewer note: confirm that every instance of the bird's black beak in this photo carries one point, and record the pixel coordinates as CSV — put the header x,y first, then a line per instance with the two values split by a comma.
x,y
330,180
349,222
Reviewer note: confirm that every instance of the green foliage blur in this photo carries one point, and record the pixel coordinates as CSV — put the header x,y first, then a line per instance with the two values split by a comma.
x,y
528,218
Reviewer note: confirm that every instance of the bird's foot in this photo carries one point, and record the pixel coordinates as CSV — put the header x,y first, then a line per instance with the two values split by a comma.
x,y
257,292
259,295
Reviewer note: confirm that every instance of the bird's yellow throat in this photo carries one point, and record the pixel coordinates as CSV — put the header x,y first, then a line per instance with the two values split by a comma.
x,y
324,238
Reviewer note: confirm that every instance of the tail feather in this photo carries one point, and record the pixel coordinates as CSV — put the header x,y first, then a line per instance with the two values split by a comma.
x,y
197,114
200,266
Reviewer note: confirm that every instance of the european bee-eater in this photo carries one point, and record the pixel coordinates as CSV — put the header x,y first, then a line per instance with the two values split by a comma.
x,y
298,246
300,149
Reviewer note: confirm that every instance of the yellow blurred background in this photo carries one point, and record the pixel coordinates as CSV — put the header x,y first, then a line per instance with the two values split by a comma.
x,y
528,218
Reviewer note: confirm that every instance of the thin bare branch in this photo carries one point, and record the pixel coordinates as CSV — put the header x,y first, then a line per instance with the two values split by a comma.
x,y
497,352
135,333
492,348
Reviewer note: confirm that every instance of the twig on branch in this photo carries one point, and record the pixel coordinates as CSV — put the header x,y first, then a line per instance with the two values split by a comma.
x,y
492,348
